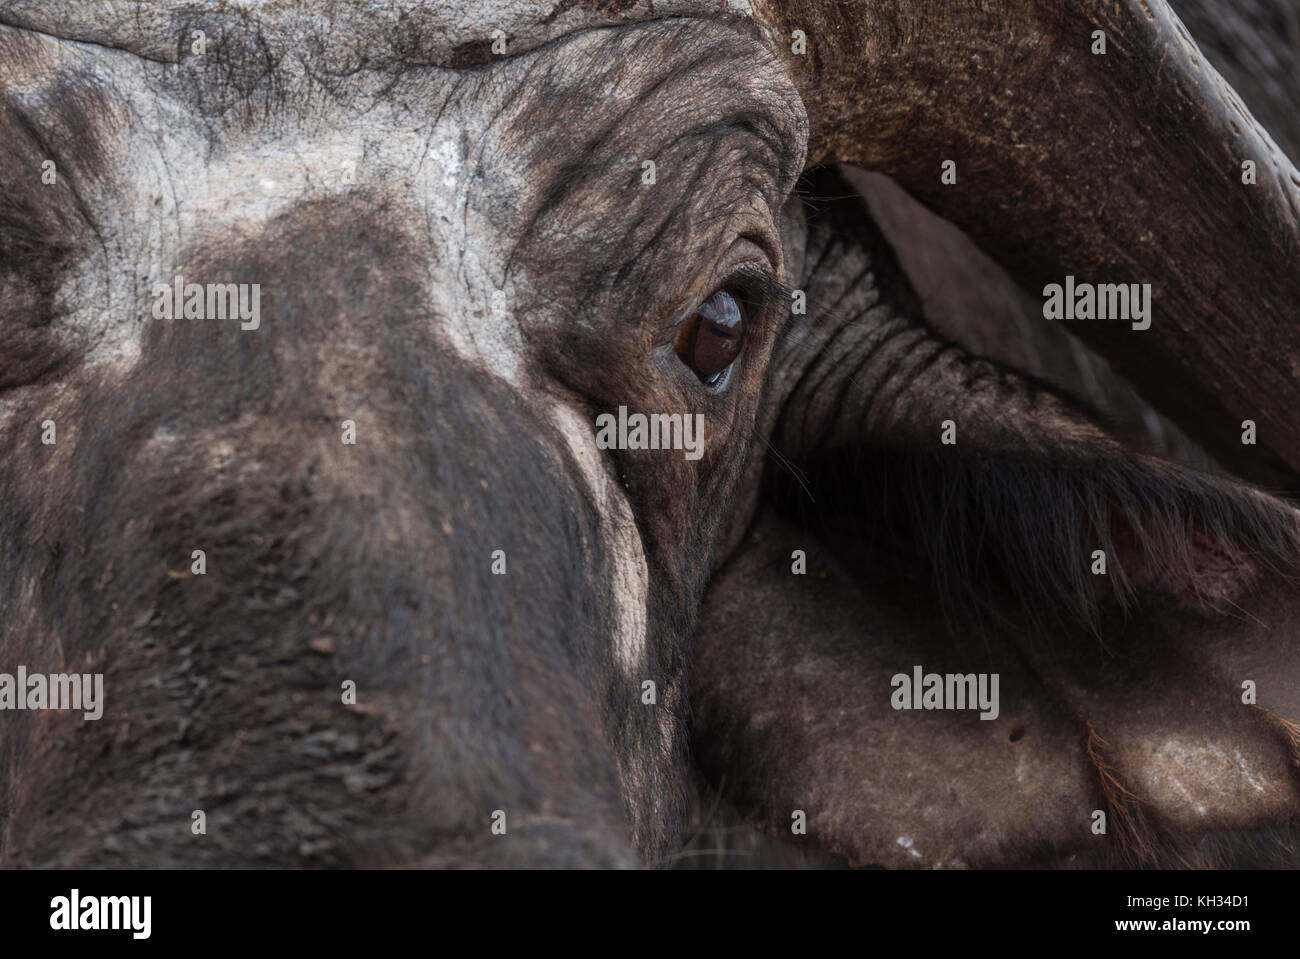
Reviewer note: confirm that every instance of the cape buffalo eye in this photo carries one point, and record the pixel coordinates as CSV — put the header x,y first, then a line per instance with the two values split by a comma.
x,y
710,340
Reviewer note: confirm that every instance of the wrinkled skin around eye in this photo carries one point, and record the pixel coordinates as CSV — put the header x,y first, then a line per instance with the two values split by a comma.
x,y
709,342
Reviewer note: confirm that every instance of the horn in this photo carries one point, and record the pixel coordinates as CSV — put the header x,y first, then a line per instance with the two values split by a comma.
x,y
1090,139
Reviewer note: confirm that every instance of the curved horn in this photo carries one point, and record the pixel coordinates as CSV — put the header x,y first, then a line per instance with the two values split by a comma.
x,y
1122,167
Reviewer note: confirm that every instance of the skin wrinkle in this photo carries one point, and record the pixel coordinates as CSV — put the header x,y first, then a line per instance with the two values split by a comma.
x,y
701,169
557,190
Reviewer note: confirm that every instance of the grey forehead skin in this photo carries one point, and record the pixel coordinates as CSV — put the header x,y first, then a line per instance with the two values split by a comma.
x,y
452,33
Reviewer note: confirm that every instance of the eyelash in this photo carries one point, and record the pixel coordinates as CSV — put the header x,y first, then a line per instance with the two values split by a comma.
x,y
757,290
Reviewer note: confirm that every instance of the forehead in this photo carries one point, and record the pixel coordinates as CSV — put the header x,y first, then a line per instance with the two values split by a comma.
x,y
386,33
203,153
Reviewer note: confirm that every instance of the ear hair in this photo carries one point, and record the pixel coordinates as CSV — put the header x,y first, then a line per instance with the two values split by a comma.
x,y
1023,527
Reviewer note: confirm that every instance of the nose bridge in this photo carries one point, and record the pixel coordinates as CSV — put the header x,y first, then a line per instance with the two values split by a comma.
x,y
340,289
352,418
349,480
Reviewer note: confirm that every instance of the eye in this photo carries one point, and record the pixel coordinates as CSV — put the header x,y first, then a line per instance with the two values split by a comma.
x,y
709,342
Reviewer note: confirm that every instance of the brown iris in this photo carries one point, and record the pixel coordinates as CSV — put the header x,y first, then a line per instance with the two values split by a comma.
x,y
710,340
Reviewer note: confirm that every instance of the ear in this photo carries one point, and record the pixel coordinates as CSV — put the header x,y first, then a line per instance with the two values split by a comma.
x,y
794,688
998,482
1120,690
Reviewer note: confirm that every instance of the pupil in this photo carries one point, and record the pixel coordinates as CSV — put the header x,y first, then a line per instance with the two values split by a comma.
x,y
711,340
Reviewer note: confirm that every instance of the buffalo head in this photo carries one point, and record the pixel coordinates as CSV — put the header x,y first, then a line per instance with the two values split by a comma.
x,y
416,414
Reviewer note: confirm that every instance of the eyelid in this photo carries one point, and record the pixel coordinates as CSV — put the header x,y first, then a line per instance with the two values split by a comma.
x,y
746,271
757,289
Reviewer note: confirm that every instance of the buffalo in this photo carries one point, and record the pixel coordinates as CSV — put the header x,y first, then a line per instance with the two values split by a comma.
x,y
540,434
